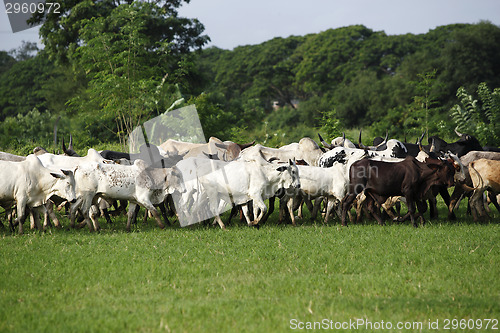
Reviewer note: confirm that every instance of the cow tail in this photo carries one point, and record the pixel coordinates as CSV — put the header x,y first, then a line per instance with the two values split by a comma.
x,y
477,180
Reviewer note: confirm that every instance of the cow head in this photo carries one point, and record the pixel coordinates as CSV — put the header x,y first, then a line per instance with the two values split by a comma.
x,y
457,165
174,181
443,172
289,175
64,185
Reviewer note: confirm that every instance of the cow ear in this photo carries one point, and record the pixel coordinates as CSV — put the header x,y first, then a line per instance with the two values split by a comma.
x,y
56,175
67,172
281,168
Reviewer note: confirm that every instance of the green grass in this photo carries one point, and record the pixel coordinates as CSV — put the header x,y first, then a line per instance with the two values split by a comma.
x,y
202,279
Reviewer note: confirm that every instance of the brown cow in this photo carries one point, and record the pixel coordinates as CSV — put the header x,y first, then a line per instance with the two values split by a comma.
x,y
485,175
409,178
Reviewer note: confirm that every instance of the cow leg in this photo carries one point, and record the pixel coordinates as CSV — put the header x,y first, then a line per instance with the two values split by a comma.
x,y
411,211
234,210
32,219
10,217
94,216
163,211
219,221
422,208
360,201
346,206
149,206
433,212
289,206
21,214
52,215
374,209
133,212
46,219
472,204
246,213
73,211
299,211
259,209
35,217
443,191
329,206
493,199
281,210
309,204
105,213
456,196
316,208
131,215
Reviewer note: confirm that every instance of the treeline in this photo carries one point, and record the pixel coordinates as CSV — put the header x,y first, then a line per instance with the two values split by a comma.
x,y
275,92
355,77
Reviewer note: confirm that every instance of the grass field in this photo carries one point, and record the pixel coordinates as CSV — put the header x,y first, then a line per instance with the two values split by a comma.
x,y
277,278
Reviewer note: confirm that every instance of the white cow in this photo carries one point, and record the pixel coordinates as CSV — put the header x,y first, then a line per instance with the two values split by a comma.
x,y
306,149
11,157
315,182
136,183
29,184
61,161
214,186
225,151
239,182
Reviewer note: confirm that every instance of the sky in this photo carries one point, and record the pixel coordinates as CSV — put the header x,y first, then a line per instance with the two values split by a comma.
x,y
231,23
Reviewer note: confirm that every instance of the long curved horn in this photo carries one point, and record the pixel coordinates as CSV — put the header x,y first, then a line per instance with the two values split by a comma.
x,y
246,145
326,144
423,149
343,139
433,146
385,140
359,140
422,137
211,156
220,145
70,142
63,146
457,132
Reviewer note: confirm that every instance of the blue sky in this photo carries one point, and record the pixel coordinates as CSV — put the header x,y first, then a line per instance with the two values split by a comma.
x,y
231,23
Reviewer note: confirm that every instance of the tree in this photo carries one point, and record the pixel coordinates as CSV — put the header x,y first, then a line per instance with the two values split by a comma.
x,y
424,103
479,117
6,61
61,32
21,86
126,67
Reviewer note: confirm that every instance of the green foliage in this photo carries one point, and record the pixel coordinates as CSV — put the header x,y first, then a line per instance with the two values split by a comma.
x,y
22,133
479,117
6,61
62,32
331,126
215,121
128,69
368,78
127,62
22,84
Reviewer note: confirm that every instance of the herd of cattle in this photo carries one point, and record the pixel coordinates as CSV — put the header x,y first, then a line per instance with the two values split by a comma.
x,y
197,182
